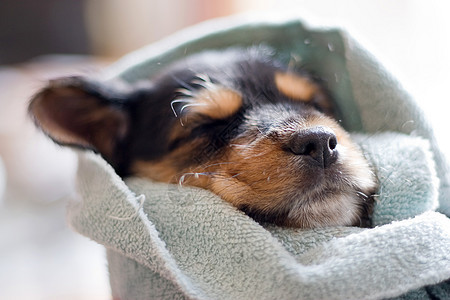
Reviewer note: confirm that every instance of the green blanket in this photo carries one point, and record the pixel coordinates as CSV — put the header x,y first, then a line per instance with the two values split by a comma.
x,y
171,242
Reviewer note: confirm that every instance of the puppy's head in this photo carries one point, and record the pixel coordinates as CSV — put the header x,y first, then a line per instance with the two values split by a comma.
x,y
236,123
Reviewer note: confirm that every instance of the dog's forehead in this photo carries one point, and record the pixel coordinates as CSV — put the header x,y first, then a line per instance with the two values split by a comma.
x,y
217,87
257,78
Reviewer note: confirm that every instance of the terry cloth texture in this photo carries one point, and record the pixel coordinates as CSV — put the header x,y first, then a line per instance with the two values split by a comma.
x,y
167,241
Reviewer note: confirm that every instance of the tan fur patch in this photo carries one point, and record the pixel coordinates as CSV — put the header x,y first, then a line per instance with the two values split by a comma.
x,y
165,171
168,169
159,171
255,175
295,87
216,102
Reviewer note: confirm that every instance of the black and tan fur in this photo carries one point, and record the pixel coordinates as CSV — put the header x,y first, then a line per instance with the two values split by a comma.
x,y
235,122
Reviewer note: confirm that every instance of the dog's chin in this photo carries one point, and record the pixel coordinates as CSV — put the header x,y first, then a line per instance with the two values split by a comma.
x,y
328,208
332,201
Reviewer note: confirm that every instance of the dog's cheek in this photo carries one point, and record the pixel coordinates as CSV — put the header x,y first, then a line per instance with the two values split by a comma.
x,y
159,171
181,165
259,176
231,190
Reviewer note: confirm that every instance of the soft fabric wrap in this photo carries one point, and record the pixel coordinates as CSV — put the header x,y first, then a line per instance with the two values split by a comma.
x,y
171,242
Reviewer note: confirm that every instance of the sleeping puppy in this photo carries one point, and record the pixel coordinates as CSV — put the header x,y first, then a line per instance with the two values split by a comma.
x,y
235,122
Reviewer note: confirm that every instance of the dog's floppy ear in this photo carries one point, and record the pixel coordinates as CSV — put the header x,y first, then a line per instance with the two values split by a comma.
x,y
78,112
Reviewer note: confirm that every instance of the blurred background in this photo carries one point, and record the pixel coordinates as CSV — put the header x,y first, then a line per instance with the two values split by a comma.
x,y
40,257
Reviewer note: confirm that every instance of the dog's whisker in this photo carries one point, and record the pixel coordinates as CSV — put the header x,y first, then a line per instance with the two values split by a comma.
x,y
206,85
203,77
185,92
180,100
362,194
260,131
173,110
217,164
195,174
191,105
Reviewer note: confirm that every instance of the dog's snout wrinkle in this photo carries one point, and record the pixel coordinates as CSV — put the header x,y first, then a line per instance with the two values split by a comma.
x,y
318,143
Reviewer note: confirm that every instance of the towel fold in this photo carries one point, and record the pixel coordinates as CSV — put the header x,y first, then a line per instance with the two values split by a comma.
x,y
188,242
406,174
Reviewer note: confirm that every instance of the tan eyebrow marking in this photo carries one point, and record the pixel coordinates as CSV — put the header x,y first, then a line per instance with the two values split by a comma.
x,y
216,102
294,86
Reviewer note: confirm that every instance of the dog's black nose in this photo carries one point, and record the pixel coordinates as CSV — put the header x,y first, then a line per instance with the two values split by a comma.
x,y
318,143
